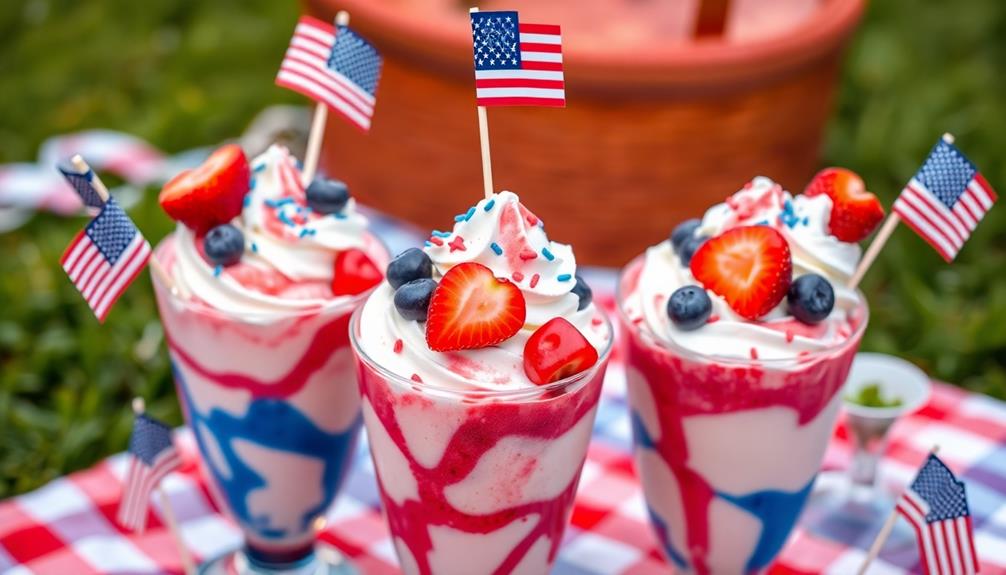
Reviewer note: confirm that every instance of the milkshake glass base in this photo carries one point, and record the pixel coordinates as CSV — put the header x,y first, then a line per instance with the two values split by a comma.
x,y
325,560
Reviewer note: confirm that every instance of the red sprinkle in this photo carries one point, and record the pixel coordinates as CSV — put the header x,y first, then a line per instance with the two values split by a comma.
x,y
526,254
518,277
596,321
457,244
416,378
789,336
435,241
532,220
637,321
754,353
398,346
534,280
713,319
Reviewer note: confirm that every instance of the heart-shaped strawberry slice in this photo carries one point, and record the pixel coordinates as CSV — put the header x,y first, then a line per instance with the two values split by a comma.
x,y
855,212
472,308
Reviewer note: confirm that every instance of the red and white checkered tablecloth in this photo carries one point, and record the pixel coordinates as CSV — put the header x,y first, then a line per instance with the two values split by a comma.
x,y
68,527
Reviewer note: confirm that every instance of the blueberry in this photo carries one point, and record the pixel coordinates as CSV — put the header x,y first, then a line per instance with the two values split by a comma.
x,y
412,300
683,231
412,264
811,298
582,291
689,247
327,196
689,307
224,245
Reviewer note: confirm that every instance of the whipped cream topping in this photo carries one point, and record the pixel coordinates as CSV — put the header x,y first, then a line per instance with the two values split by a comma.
x,y
803,221
290,250
502,234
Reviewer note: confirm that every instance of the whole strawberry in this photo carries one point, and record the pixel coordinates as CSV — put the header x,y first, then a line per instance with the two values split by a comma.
x,y
210,195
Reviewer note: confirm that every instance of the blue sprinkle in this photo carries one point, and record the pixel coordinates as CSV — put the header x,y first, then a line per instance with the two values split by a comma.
x,y
254,248
247,201
489,205
281,216
469,213
548,255
258,167
496,248
340,216
251,184
564,277
305,232
278,203
762,223
217,271
440,234
806,221
460,217
428,244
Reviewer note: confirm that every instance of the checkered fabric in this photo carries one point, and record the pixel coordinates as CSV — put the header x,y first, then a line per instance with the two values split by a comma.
x,y
68,526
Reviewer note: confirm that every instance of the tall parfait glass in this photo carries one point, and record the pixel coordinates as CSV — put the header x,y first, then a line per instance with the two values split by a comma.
x,y
274,406
728,448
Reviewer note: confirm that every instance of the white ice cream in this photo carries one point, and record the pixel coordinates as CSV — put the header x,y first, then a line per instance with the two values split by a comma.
x,y
502,234
284,241
803,221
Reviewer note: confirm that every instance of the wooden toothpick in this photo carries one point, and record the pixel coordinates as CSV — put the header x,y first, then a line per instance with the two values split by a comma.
x,y
318,122
885,532
883,235
155,266
487,163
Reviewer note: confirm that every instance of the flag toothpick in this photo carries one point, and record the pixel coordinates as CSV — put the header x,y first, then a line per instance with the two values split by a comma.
x,y
139,408
943,203
155,266
487,162
317,134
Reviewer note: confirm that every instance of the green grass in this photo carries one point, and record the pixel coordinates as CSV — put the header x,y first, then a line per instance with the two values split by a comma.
x,y
183,73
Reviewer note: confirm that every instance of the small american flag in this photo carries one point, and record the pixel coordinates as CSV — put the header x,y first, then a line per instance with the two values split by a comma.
x,y
517,64
937,506
152,456
83,184
945,199
335,66
105,258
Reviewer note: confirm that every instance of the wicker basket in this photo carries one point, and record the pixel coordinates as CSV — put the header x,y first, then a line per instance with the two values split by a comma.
x,y
650,136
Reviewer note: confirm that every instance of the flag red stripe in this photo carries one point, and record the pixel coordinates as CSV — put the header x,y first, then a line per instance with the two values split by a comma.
x,y
539,28
98,275
520,83
964,210
547,66
70,249
986,186
539,47
953,546
111,285
316,43
951,223
124,282
948,256
926,212
516,101
312,90
971,536
328,79
323,26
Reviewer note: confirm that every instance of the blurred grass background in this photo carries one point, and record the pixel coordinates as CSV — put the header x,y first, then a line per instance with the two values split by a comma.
x,y
185,73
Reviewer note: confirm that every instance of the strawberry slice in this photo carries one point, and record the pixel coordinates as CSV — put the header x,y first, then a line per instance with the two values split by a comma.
x,y
556,351
472,308
355,273
211,194
749,266
855,212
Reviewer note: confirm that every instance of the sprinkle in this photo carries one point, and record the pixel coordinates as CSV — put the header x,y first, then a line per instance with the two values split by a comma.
x,y
217,271
247,201
254,248
416,378
564,277
806,220
518,277
754,353
496,248
427,243
469,213
340,216
532,220
526,254
258,167
398,346
489,205
460,217
435,241
281,216
457,244
713,319
789,336
441,234
304,232
596,321
278,203
534,280
637,321
548,255
251,184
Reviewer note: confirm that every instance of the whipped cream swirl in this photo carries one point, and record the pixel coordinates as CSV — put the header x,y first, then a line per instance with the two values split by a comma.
x,y
803,221
502,234
290,250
